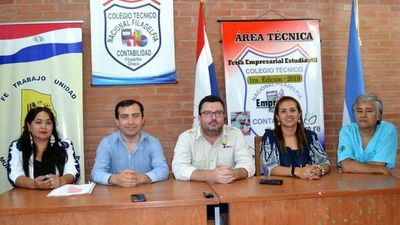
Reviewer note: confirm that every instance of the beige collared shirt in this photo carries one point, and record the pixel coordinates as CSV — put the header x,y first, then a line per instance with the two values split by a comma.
x,y
193,151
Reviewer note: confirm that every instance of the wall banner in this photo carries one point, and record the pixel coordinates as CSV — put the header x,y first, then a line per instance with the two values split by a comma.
x,y
132,42
265,60
40,65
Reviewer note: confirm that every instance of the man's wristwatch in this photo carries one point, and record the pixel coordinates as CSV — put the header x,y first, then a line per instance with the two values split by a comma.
x,y
293,169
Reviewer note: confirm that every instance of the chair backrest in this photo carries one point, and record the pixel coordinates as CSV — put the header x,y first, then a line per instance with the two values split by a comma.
x,y
257,150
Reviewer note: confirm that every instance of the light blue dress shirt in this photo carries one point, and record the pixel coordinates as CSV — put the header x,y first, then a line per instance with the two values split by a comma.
x,y
382,147
112,156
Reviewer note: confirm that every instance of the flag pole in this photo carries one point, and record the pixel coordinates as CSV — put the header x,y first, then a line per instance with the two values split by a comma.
x,y
357,25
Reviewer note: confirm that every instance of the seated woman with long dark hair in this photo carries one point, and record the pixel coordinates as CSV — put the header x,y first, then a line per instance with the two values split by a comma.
x,y
39,159
290,149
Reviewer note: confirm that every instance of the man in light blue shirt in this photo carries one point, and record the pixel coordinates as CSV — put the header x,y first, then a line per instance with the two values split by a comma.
x,y
130,156
370,145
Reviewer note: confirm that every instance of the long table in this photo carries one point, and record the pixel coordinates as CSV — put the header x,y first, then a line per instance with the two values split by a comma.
x,y
168,202
337,198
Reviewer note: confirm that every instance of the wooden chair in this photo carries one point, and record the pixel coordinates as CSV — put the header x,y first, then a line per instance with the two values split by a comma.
x,y
257,150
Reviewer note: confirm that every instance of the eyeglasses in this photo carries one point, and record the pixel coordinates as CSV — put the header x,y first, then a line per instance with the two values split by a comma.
x,y
209,114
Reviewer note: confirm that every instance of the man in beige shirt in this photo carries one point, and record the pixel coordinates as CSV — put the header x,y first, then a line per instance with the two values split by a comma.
x,y
213,151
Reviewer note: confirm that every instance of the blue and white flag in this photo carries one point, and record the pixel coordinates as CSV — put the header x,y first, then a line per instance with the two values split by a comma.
x,y
354,74
206,81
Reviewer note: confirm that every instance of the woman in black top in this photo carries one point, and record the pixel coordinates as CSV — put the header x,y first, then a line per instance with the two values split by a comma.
x,y
290,149
39,159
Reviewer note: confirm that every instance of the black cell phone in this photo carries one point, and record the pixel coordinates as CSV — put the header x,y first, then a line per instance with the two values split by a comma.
x,y
271,181
208,194
138,198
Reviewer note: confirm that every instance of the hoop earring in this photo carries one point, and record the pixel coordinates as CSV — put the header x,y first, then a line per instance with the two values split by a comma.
x,y
299,121
31,139
52,140
279,123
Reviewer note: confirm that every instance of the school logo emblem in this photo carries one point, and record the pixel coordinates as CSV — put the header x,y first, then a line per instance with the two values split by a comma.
x,y
132,34
32,99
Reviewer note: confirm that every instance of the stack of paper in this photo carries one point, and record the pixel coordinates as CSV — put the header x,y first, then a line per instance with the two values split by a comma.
x,y
72,189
